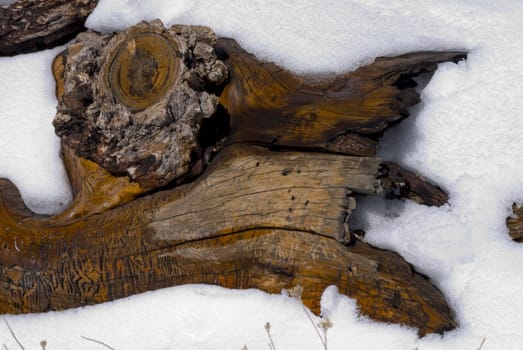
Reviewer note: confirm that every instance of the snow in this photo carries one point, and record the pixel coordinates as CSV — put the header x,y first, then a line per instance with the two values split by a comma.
x,y
30,150
465,135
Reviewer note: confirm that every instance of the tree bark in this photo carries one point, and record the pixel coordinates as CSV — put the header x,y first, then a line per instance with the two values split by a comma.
x,y
32,25
135,102
266,202
515,223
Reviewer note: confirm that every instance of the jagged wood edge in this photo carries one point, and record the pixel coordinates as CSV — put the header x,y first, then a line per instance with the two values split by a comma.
x,y
214,231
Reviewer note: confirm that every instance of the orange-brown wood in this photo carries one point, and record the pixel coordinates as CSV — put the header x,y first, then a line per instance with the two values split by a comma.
x,y
95,190
202,233
269,104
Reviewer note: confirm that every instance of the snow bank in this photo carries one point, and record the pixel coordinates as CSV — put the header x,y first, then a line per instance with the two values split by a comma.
x,y
465,135
30,151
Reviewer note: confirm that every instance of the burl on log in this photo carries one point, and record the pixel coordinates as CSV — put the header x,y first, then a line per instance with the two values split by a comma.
x,y
192,161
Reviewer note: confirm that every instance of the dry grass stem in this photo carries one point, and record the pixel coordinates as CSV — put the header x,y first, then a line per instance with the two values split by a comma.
x,y
482,343
98,342
13,335
268,330
324,325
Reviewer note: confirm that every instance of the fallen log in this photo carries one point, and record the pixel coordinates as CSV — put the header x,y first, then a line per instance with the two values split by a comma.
x,y
33,25
243,224
263,199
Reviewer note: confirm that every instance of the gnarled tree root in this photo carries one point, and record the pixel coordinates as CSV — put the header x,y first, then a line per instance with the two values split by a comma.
x,y
267,200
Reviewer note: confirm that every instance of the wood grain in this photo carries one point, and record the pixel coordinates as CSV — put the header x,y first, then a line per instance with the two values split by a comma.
x,y
218,230
264,201
269,104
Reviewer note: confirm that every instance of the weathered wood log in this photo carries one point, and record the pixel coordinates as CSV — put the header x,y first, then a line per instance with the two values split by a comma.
x,y
32,25
515,223
255,219
157,143
271,209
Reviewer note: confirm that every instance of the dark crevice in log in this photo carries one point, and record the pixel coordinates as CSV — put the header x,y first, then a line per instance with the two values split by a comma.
x,y
33,25
214,132
406,81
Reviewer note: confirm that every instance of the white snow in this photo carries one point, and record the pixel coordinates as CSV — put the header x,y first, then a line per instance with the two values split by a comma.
x,y
465,135
30,152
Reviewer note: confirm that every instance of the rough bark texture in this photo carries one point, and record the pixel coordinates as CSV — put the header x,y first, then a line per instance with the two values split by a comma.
x,y
31,25
515,223
271,210
134,102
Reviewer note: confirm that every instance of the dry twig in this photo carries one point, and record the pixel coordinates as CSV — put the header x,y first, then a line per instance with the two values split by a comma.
x,y
13,335
98,342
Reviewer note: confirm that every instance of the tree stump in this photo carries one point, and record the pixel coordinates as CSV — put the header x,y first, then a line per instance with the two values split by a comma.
x,y
192,161
32,25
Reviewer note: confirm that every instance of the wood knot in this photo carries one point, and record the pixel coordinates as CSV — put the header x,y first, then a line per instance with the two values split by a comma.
x,y
142,70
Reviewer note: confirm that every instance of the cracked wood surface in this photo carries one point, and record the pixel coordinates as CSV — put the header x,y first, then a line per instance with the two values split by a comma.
x,y
221,229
